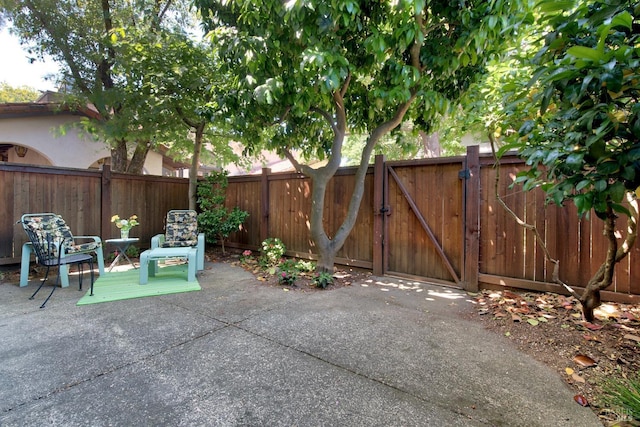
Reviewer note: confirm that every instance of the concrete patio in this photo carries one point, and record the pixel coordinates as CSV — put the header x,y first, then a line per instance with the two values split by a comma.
x,y
385,352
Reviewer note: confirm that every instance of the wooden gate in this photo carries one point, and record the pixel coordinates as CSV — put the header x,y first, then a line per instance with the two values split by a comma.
x,y
424,231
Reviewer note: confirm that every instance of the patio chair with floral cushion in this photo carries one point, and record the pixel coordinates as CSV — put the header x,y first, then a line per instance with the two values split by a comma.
x,y
181,230
54,224
48,239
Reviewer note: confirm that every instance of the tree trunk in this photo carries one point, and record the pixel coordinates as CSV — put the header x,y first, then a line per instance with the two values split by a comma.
x,y
119,159
136,166
328,247
431,144
603,278
193,170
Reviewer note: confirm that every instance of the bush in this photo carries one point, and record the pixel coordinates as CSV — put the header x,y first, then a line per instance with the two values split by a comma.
x,y
272,251
306,266
322,280
215,220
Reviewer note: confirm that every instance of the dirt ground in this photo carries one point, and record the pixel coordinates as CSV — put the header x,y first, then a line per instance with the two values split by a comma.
x,y
343,276
551,329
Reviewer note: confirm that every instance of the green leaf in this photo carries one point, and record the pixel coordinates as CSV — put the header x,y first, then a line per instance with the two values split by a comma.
x,y
583,203
582,184
623,19
617,191
588,53
533,322
600,185
546,6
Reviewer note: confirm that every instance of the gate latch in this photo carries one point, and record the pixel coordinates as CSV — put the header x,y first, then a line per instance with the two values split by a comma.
x,y
464,174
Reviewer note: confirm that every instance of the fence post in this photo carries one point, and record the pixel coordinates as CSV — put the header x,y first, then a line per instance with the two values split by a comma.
x,y
472,219
378,216
264,205
105,201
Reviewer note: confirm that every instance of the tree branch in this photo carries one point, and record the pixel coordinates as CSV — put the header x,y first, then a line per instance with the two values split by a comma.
x,y
555,277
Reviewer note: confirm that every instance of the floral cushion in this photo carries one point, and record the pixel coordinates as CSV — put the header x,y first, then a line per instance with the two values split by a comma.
x,y
181,229
55,226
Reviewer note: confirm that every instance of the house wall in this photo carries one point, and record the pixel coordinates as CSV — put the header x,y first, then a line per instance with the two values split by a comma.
x,y
49,146
74,148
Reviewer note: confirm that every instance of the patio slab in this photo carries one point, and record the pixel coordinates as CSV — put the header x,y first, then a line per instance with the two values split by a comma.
x,y
384,352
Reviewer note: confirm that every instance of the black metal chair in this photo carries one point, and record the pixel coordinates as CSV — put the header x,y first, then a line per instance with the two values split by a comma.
x,y
48,251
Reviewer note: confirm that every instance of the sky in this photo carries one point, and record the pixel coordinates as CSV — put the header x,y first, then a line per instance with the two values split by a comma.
x,y
16,69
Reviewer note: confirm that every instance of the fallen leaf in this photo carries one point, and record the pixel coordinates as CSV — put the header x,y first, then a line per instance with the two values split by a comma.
x,y
591,338
569,371
577,378
500,314
516,318
542,319
577,315
632,337
507,334
533,322
581,400
585,361
591,326
623,327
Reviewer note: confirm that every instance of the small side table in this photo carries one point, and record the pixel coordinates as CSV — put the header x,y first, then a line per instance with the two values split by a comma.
x,y
122,245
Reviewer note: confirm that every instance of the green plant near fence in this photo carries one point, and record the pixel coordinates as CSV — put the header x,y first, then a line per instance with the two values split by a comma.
x,y
215,220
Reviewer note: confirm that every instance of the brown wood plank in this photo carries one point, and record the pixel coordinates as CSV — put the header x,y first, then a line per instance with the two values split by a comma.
x,y
425,227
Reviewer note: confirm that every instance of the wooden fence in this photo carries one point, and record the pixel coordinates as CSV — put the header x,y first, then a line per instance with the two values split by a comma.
x,y
435,220
86,200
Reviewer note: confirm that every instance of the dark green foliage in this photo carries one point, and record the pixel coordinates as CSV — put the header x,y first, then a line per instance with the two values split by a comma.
x,y
288,272
584,145
215,220
322,280
625,395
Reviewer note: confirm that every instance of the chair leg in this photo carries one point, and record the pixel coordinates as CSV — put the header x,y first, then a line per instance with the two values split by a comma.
x,y
80,274
54,287
91,268
46,274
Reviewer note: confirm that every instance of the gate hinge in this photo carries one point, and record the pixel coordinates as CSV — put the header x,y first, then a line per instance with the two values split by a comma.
x,y
464,174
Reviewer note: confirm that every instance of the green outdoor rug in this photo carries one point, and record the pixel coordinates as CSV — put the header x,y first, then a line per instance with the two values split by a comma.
x,y
122,285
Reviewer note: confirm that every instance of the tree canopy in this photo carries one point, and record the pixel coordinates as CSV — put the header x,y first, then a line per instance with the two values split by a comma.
x,y
10,93
583,143
81,36
308,72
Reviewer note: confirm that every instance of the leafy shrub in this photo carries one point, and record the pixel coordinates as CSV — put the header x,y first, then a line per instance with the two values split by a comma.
x,y
272,251
215,220
322,280
133,252
287,278
305,266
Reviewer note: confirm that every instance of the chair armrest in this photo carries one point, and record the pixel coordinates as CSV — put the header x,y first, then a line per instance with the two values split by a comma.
x,y
157,241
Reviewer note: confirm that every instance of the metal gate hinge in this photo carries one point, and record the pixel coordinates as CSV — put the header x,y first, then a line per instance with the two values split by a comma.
x,y
464,174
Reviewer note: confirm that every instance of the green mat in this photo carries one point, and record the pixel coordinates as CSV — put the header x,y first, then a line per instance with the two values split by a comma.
x,y
122,285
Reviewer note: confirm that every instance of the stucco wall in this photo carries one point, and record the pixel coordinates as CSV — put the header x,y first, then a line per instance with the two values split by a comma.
x,y
72,149
48,145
